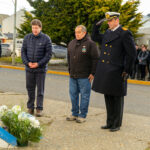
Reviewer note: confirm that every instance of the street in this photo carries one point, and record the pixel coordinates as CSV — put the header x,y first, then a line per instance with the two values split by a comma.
x,y
56,88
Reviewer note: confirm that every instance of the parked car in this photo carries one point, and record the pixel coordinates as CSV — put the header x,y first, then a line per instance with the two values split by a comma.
x,y
6,49
59,51
18,50
18,47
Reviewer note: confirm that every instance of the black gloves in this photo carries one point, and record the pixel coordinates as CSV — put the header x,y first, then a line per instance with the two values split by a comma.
x,y
125,76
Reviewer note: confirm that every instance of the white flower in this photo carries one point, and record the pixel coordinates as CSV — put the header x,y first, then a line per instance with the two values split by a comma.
x,y
3,109
34,123
16,109
23,116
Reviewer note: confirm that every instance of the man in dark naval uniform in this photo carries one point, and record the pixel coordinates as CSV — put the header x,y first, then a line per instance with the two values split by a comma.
x,y
115,63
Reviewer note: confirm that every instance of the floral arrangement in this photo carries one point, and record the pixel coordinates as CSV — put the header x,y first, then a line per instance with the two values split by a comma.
x,y
20,124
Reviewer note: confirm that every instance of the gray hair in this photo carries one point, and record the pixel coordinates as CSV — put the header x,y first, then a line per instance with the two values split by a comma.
x,y
82,27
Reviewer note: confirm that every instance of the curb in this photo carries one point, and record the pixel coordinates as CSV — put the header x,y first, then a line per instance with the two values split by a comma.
x,y
22,68
139,82
67,74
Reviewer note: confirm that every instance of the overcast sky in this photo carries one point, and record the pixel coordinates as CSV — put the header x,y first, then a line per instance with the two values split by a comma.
x,y
7,6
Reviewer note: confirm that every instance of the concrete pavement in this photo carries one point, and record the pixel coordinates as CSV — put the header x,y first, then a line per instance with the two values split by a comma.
x,y
136,102
62,135
67,74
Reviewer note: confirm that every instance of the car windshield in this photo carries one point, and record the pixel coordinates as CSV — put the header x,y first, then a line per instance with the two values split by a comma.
x,y
59,47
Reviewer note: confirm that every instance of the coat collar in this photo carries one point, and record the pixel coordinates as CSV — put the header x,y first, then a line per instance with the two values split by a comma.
x,y
37,36
116,28
112,35
86,37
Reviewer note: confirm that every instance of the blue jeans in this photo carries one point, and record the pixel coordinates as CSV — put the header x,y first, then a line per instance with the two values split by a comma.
x,y
80,86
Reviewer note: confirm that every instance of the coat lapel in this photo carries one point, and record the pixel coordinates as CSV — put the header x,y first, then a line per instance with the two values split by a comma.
x,y
111,35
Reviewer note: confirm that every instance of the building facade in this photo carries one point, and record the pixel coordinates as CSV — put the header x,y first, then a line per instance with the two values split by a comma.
x,y
145,31
8,23
2,17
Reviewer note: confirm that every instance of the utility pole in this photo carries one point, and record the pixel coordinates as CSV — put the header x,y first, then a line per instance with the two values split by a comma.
x,y
14,35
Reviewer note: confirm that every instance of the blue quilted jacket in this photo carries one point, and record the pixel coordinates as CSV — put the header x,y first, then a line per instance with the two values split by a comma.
x,y
36,49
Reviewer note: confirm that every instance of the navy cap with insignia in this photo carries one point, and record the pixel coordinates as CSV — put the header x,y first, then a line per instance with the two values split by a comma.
x,y
108,16
111,15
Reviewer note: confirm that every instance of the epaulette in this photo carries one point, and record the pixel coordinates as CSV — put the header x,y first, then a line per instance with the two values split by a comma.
x,y
125,29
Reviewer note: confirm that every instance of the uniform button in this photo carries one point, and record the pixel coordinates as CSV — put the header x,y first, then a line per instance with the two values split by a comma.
x,y
106,45
103,60
110,46
105,53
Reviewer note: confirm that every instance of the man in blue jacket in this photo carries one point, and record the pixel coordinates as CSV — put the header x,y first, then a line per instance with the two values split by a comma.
x,y
36,53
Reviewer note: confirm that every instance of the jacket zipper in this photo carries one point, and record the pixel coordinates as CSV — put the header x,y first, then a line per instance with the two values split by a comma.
x,y
34,49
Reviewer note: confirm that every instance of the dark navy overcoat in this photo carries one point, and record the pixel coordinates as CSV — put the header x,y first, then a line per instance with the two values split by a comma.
x,y
118,54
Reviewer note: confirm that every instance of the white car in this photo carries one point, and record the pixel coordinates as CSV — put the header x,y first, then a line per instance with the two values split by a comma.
x,y
59,51
6,49
18,47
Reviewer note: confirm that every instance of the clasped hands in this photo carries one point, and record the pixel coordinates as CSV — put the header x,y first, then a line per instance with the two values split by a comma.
x,y
33,65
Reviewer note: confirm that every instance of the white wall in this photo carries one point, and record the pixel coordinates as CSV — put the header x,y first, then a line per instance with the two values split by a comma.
x,y
145,39
8,23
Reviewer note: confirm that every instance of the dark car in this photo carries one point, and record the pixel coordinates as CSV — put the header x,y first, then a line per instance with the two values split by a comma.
x,y
59,51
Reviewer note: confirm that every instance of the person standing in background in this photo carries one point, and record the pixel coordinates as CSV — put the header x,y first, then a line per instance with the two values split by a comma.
x,y
142,57
136,70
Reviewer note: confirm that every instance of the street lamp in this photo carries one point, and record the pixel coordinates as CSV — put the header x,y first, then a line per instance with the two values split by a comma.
x,y
14,35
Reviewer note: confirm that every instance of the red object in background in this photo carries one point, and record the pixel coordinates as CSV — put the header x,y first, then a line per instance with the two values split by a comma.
x,y
3,40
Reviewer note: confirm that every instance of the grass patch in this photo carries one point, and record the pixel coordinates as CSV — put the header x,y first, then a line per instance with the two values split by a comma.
x,y
6,59
9,59
18,60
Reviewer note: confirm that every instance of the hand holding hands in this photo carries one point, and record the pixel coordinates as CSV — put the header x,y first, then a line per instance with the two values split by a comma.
x,y
33,65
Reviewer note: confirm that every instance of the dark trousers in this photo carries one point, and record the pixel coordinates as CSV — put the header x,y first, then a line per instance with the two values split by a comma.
x,y
114,107
34,80
136,70
143,71
148,67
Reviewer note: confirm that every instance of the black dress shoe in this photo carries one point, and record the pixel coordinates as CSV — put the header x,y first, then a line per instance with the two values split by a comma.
x,y
114,129
105,127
